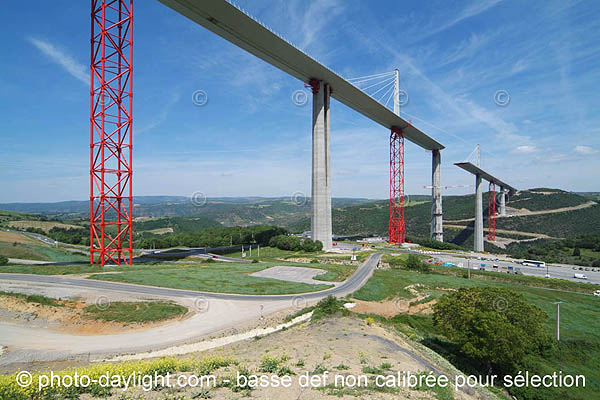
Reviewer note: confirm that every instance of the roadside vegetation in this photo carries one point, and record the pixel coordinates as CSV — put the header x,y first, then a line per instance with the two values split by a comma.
x,y
10,390
33,298
126,312
473,317
135,312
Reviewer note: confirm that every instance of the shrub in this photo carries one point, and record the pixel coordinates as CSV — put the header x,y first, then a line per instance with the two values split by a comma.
x,y
328,306
3,260
498,327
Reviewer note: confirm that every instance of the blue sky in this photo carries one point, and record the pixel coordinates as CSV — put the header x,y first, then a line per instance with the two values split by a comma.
x,y
250,138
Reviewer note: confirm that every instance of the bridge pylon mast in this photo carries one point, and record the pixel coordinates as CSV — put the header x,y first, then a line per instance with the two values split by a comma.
x,y
396,226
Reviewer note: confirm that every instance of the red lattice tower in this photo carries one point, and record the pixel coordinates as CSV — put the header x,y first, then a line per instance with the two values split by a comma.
x,y
111,132
492,212
396,229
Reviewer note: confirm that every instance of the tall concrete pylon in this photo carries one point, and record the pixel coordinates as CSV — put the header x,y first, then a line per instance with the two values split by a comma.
x,y
478,233
502,201
437,229
321,166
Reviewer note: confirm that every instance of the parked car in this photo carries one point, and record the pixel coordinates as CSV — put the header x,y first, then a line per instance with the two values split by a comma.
x,y
448,264
580,276
597,293
587,269
547,276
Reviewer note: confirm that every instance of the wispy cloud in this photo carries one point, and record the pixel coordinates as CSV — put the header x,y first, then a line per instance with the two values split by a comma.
x,y
584,150
525,149
470,11
60,57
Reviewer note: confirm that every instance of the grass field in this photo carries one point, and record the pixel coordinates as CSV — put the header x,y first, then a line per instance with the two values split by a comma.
x,y
213,277
577,353
335,272
43,225
136,312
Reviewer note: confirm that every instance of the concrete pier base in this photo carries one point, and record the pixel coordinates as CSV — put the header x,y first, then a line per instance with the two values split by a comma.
x,y
437,230
478,233
321,166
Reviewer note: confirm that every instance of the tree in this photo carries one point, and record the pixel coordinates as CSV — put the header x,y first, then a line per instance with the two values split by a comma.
x,y
318,245
3,260
576,252
498,327
413,262
308,245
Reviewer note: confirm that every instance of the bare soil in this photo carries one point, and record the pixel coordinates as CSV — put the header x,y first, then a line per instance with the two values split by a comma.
x,y
70,317
395,306
341,345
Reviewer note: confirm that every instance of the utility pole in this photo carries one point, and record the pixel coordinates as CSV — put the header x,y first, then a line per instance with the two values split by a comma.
x,y
469,267
558,303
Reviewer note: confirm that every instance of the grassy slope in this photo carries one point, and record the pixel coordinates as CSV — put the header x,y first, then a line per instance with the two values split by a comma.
x,y
565,224
578,352
373,217
38,252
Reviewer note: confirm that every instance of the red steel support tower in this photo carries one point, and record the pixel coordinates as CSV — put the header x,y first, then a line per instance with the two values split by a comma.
x,y
396,224
492,212
111,132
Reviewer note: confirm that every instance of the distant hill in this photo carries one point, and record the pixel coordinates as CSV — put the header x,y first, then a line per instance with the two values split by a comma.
x,y
372,217
228,211
177,214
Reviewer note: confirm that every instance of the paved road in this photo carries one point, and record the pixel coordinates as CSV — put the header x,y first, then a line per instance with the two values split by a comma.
x,y
217,312
564,272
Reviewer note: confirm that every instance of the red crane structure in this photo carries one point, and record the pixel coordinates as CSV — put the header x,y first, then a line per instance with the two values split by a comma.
x,y
111,122
492,212
396,226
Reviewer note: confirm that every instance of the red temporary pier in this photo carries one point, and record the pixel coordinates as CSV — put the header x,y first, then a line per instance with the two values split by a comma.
x,y
111,132
396,229
492,212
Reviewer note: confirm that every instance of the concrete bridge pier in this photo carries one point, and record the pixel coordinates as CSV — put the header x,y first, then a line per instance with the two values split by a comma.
x,y
502,201
437,230
478,233
321,165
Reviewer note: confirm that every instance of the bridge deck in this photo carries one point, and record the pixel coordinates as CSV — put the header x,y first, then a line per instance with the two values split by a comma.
x,y
234,25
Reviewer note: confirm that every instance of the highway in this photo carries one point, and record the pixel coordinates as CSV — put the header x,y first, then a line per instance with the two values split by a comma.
x,y
565,272
219,312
